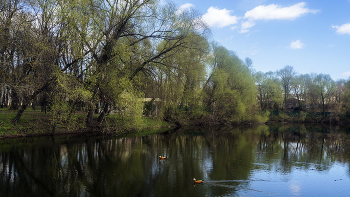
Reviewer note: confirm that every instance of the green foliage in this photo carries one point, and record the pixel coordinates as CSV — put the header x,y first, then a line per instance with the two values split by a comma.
x,y
230,90
148,107
289,116
67,91
264,117
270,91
302,116
132,109
179,78
346,98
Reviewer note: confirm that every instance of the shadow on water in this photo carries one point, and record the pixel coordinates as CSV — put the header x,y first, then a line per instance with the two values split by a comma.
x,y
239,161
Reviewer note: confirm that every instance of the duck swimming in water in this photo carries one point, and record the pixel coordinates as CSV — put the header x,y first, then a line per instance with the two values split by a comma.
x,y
197,181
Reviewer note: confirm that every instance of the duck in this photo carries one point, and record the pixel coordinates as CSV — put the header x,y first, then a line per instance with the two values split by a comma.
x,y
162,158
197,181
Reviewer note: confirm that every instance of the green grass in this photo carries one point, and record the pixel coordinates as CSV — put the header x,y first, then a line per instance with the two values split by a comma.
x,y
154,123
30,122
38,123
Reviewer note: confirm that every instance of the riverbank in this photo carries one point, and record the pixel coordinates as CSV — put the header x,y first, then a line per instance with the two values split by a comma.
x,y
291,117
37,123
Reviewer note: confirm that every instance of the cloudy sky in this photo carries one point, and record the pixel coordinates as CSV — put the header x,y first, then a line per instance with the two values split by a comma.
x,y
313,36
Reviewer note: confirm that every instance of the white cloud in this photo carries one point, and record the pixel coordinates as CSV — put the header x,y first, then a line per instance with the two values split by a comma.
x,y
219,18
272,11
346,74
246,25
297,45
184,7
344,29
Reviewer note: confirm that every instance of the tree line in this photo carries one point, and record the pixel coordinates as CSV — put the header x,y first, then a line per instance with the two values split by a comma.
x,y
100,56
286,89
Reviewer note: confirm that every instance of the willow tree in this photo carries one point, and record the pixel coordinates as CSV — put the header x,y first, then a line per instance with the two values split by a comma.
x,y
30,46
133,34
230,92
43,50
180,75
105,45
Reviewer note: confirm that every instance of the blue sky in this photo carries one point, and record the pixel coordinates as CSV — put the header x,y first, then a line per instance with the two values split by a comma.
x,y
313,36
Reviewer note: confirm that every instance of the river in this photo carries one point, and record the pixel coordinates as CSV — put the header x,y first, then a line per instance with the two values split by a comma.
x,y
293,160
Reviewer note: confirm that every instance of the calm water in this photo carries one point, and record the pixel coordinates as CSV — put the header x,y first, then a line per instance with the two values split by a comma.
x,y
261,161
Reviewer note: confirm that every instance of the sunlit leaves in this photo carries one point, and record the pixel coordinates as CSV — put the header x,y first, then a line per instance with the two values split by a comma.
x,y
230,90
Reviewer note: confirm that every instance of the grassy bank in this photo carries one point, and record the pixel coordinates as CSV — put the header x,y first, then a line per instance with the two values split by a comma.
x,y
37,123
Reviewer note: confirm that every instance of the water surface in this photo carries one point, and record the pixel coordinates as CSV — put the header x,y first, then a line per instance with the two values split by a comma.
x,y
260,161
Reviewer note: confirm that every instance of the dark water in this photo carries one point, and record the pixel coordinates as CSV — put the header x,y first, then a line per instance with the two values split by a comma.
x,y
261,161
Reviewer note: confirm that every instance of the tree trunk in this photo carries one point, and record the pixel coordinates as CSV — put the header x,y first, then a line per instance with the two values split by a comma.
x,y
324,111
27,101
33,106
90,116
261,99
285,97
2,97
19,114
104,112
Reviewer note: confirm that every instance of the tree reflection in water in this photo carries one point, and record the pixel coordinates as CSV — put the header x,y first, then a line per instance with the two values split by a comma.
x,y
228,161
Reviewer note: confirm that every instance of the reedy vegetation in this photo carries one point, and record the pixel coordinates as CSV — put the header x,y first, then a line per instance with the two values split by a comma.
x,y
99,55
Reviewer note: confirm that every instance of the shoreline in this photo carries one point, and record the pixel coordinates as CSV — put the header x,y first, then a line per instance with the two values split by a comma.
x,y
37,124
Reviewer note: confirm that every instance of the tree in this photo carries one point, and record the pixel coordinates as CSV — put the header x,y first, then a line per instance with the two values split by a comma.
x,y
346,97
325,87
259,81
270,92
298,87
43,55
104,45
230,91
340,90
286,74
180,76
249,63
15,40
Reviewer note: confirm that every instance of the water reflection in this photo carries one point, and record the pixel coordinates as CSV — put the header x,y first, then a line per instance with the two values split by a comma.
x,y
261,161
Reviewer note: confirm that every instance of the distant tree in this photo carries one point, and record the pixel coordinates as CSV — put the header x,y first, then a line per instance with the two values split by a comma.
x,y
340,91
259,81
270,91
325,87
346,97
298,88
286,74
